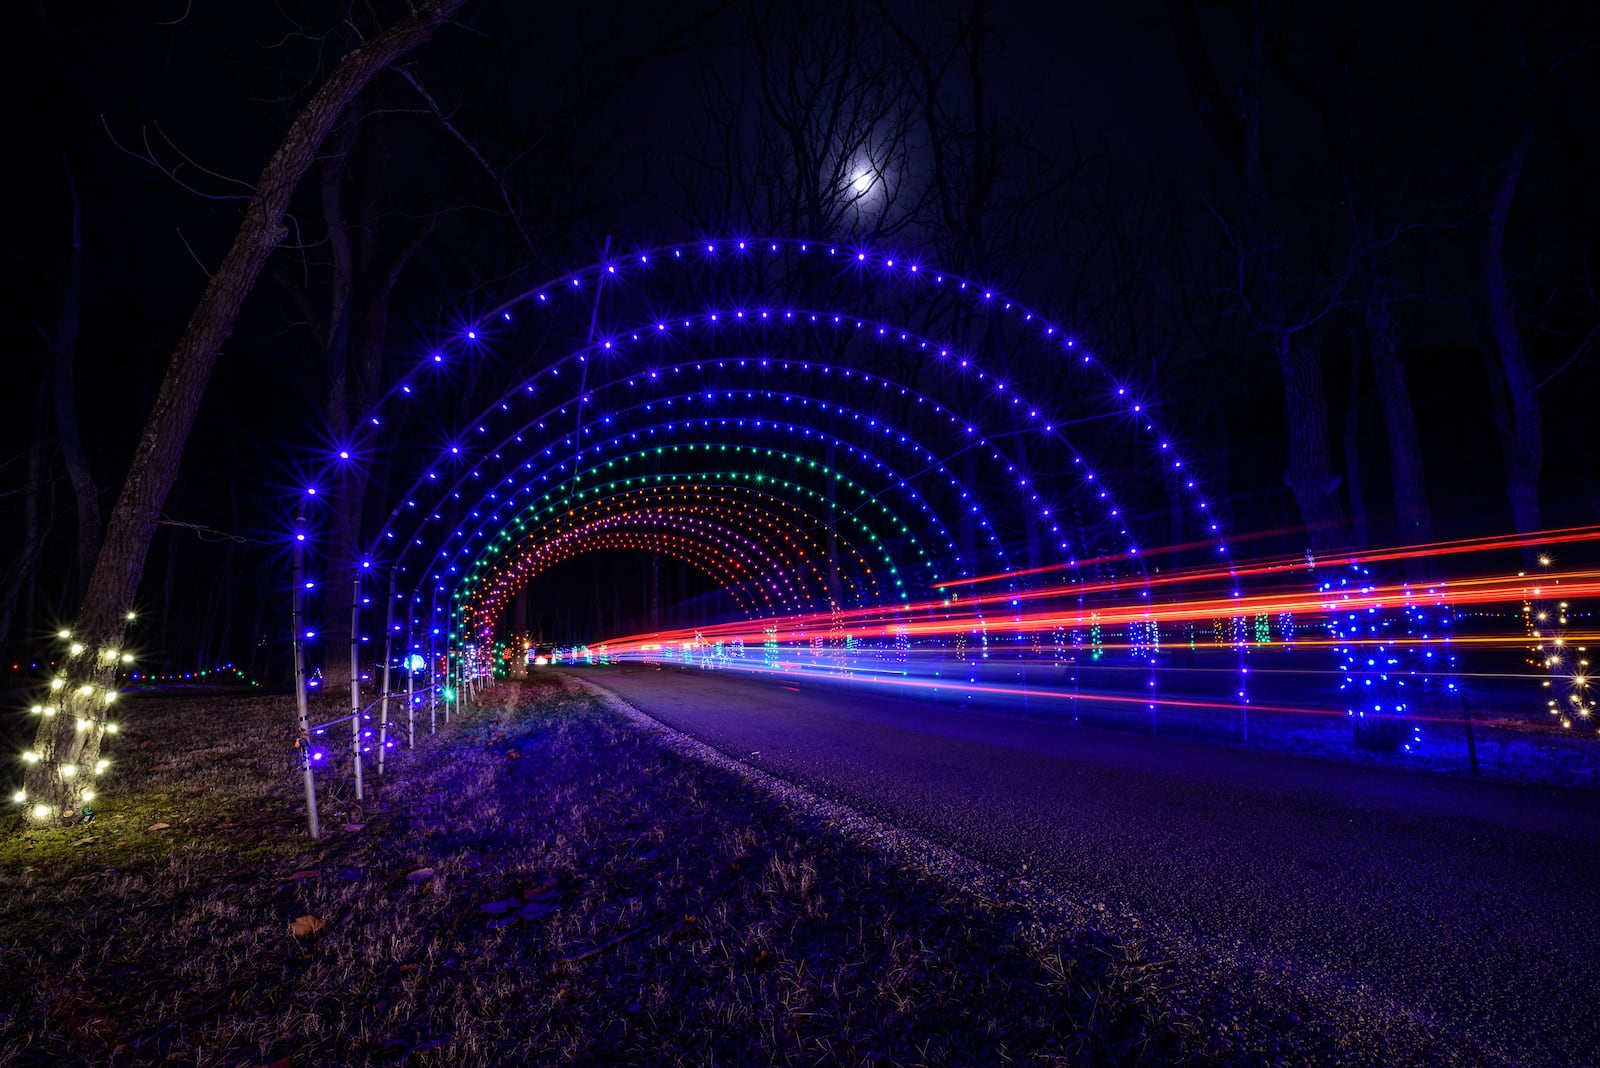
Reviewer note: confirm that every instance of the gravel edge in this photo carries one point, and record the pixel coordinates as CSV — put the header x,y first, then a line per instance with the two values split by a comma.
x,y
1267,1004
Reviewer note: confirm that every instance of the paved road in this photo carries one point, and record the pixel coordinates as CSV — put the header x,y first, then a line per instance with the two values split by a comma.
x,y
1473,905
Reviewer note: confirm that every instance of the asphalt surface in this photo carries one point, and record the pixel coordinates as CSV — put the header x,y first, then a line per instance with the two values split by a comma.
x,y
1473,907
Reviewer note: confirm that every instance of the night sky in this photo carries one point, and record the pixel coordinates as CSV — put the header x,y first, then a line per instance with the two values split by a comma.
x,y
1384,126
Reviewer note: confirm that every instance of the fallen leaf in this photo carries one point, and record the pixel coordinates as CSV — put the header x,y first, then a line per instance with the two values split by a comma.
x,y
354,826
542,890
305,925
496,908
421,875
537,910
158,826
302,876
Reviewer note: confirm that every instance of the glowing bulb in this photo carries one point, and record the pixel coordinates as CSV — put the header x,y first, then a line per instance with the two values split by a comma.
x,y
31,757
111,695
57,683
77,647
20,796
68,770
111,728
63,634
88,795
131,616
41,812
127,658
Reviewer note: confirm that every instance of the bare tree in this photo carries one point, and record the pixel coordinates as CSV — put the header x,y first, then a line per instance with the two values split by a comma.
x,y
67,743
1265,283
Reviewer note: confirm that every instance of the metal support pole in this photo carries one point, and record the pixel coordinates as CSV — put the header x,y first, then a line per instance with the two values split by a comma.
x,y
411,678
433,667
355,679
297,612
388,655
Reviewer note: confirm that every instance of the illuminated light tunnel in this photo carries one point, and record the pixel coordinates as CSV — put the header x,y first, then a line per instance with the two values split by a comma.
x,y
881,467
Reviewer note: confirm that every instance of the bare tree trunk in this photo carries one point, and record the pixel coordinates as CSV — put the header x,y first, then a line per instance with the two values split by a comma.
x,y
1413,516
1352,453
1310,474
64,349
343,498
84,687
1521,431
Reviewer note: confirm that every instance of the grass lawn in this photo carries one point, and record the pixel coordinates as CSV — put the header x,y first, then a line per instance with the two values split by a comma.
x,y
542,882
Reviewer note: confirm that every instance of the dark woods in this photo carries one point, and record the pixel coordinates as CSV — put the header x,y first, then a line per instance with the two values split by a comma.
x,y
1348,249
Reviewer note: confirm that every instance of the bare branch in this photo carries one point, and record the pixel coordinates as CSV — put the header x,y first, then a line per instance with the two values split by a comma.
x,y
148,156
450,128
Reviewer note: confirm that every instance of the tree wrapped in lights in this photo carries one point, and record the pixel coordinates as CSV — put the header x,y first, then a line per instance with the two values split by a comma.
x,y
1570,700
1384,641
74,720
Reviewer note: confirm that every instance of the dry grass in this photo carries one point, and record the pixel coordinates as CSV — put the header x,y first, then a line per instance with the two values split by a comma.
x,y
642,908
